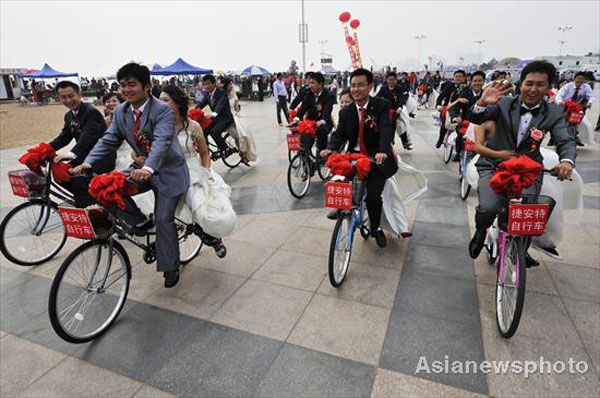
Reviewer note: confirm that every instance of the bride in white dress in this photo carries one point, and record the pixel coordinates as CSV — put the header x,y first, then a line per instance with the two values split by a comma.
x,y
207,200
240,130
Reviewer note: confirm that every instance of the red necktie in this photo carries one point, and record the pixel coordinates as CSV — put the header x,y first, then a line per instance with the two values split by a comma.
x,y
361,128
136,126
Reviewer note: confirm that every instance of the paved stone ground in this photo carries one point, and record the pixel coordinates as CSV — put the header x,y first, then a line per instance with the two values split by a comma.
x,y
264,321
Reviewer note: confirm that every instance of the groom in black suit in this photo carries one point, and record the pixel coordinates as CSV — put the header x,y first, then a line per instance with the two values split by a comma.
x,y
397,98
216,98
317,105
367,127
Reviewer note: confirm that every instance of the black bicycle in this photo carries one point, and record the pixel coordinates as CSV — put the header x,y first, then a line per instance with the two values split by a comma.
x,y
301,169
32,233
230,155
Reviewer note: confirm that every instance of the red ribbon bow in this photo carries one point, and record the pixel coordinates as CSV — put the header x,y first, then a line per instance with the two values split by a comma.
x,y
340,164
36,157
108,189
198,115
308,127
515,174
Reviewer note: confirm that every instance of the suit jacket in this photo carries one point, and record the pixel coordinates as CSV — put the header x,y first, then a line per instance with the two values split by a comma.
x,y
219,105
318,110
376,140
86,129
448,94
300,97
462,110
171,176
506,114
396,97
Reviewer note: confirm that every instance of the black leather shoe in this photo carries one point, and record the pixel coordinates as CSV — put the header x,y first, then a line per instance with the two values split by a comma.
x,y
333,214
142,228
530,261
380,238
439,143
476,243
171,278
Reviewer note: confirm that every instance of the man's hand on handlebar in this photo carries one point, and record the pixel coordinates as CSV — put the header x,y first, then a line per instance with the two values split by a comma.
x,y
563,171
325,153
320,123
78,170
60,158
140,175
380,158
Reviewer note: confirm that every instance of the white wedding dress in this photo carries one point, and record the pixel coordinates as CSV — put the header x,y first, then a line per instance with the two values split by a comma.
x,y
207,199
241,131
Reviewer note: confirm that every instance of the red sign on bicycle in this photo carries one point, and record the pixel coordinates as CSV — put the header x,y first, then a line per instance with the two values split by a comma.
x,y
25,183
77,222
293,141
527,219
575,117
469,146
338,195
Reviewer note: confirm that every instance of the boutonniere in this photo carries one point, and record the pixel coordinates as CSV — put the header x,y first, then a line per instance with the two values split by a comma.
x,y
371,123
144,138
537,136
76,127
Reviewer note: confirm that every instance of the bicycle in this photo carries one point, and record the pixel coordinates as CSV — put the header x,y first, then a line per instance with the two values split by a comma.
x,y
449,142
465,157
301,169
512,237
33,233
230,155
348,221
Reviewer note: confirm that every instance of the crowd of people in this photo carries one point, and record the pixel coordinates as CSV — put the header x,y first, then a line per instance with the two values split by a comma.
x,y
147,132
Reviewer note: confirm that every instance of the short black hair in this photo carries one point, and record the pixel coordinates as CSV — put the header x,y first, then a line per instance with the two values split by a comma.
x,y
346,91
307,75
67,84
112,94
279,75
318,77
139,72
500,72
209,78
478,73
461,72
362,72
392,74
541,66
581,73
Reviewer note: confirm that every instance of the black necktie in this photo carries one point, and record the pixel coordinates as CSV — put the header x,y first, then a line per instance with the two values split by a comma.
x,y
575,95
534,112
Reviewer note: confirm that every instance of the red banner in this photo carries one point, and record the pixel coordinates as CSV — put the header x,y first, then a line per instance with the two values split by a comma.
x,y
527,219
338,195
469,146
25,183
77,222
293,142
575,117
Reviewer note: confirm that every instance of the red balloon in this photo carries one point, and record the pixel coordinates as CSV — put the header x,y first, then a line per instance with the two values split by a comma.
x,y
355,23
344,17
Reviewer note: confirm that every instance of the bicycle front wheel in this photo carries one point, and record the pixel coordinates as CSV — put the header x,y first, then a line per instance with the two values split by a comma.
x,y
465,188
32,233
298,175
448,148
510,286
89,291
233,158
340,250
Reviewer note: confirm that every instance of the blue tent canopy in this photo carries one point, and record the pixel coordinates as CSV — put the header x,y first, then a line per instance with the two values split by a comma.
x,y
47,72
156,68
254,70
180,67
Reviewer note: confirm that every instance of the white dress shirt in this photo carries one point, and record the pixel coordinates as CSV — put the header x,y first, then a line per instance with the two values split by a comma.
x,y
279,89
567,91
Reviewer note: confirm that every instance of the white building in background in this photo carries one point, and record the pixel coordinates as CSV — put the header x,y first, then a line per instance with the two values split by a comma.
x,y
10,84
574,62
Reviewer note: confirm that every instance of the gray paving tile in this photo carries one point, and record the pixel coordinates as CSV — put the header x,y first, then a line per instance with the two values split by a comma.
x,y
452,212
299,372
412,337
575,282
219,362
589,176
587,165
591,202
10,279
441,235
140,342
22,302
454,263
437,296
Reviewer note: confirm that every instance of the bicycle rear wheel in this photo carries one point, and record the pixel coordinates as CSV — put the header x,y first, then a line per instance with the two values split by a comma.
x,y
448,148
298,175
510,286
32,233
190,243
89,291
340,249
234,158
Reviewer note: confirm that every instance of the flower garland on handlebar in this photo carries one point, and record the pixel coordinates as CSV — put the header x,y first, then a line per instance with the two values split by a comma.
x,y
36,157
109,189
342,165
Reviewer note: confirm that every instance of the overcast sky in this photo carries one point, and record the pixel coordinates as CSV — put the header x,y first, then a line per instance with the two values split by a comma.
x,y
95,38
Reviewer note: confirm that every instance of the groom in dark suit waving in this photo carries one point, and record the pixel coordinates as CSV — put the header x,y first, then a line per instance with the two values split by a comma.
x,y
367,127
148,126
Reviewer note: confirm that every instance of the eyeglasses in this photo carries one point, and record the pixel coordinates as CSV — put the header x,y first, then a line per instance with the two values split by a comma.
x,y
359,85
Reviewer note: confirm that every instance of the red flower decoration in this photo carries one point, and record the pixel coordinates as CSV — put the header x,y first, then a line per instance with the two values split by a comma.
x,y
572,106
292,114
463,127
340,165
35,157
443,112
196,114
108,189
60,171
308,127
515,174
537,135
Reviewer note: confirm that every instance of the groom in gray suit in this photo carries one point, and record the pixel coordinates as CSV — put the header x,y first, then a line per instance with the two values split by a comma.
x,y
147,125
515,117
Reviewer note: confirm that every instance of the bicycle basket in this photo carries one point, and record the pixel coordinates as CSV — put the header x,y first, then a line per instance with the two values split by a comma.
x,y
527,215
358,187
26,183
93,222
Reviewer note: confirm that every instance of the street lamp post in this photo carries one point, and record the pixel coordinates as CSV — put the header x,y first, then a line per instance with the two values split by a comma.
x,y
303,36
420,38
562,41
